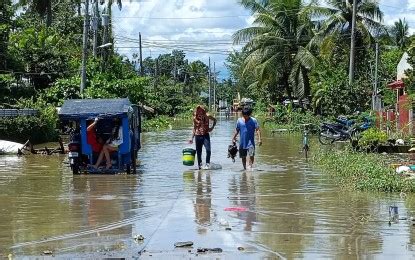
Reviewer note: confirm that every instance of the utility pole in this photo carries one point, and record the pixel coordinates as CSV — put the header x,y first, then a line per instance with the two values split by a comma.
x,y
156,65
214,85
375,101
85,46
95,28
105,24
210,81
175,70
141,56
352,44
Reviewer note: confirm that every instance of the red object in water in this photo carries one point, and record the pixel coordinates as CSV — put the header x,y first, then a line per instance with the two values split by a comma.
x,y
235,209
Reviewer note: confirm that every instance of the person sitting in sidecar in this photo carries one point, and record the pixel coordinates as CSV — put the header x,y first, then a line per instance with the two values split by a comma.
x,y
111,145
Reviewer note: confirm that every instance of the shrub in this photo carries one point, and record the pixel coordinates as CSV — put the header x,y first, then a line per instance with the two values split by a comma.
x,y
38,129
372,138
156,124
361,171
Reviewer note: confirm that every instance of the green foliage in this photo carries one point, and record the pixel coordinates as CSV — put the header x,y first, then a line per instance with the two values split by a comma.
x,y
360,171
6,81
400,33
332,95
277,50
293,120
372,137
156,124
410,73
168,98
38,129
40,52
61,90
389,60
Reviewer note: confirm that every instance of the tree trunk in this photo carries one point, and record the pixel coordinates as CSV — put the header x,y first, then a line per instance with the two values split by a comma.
x,y
4,34
48,13
286,83
79,8
307,89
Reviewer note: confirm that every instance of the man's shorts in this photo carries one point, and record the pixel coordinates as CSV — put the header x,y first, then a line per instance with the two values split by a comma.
x,y
247,152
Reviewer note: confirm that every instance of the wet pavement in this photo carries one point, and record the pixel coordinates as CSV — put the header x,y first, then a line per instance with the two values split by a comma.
x,y
282,209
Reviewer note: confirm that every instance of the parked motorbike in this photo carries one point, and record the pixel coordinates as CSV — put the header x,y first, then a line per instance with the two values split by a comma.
x,y
74,147
343,130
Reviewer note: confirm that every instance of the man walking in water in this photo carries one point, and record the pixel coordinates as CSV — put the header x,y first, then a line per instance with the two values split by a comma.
x,y
246,126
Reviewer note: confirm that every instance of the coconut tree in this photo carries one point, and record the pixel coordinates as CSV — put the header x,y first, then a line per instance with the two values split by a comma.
x,y
400,32
335,21
277,45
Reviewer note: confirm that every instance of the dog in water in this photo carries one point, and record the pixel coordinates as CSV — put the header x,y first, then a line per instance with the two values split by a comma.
x,y
232,151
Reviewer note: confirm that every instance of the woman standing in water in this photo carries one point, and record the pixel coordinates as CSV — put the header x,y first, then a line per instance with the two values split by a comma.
x,y
201,130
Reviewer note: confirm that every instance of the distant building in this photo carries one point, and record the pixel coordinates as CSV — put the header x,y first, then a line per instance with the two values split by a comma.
x,y
402,66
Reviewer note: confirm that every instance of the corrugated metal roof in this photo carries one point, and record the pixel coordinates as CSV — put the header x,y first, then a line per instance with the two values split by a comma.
x,y
94,107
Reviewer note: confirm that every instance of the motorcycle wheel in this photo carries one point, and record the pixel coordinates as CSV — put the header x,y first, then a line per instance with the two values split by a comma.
x,y
326,137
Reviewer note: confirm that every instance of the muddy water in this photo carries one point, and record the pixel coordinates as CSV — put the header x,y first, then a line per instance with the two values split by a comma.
x,y
289,210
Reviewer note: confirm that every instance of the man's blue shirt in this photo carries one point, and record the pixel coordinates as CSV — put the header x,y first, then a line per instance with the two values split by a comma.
x,y
247,132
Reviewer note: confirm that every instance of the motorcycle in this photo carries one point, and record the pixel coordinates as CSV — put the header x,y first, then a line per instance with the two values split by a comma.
x,y
343,130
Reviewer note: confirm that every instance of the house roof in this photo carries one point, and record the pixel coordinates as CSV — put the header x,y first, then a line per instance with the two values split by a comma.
x,y
396,85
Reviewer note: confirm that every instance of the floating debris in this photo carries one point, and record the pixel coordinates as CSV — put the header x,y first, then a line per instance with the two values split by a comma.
x,y
183,244
228,229
241,248
238,209
213,250
138,238
47,252
223,222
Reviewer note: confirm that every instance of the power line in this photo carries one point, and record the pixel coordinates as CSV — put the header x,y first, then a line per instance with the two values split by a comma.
x,y
38,73
180,18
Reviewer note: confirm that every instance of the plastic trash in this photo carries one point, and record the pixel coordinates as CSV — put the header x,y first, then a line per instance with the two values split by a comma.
x,y
213,250
7,147
138,237
223,222
183,244
400,142
403,169
236,209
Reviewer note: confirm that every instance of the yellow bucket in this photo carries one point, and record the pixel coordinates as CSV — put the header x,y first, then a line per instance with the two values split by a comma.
x,y
189,156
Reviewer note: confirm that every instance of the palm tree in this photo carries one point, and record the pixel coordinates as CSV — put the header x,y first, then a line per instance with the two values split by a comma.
x,y
400,32
277,45
108,10
335,20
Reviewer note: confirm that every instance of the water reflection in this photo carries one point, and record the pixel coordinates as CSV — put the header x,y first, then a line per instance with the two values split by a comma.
x,y
292,210
243,195
203,202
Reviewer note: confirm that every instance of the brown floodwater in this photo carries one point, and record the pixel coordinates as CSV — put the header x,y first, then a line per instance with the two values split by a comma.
x,y
289,209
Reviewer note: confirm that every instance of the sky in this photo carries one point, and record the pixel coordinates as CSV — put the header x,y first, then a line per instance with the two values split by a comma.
x,y
202,28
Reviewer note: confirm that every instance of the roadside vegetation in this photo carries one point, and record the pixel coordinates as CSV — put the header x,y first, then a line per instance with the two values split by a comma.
x,y
362,171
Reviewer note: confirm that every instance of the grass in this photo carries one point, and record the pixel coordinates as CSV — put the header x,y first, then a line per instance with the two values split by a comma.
x,y
361,171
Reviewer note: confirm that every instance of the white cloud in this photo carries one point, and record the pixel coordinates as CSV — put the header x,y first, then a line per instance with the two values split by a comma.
x,y
199,37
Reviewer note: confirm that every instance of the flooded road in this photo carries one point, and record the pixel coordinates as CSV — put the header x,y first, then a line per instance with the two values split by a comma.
x,y
284,208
